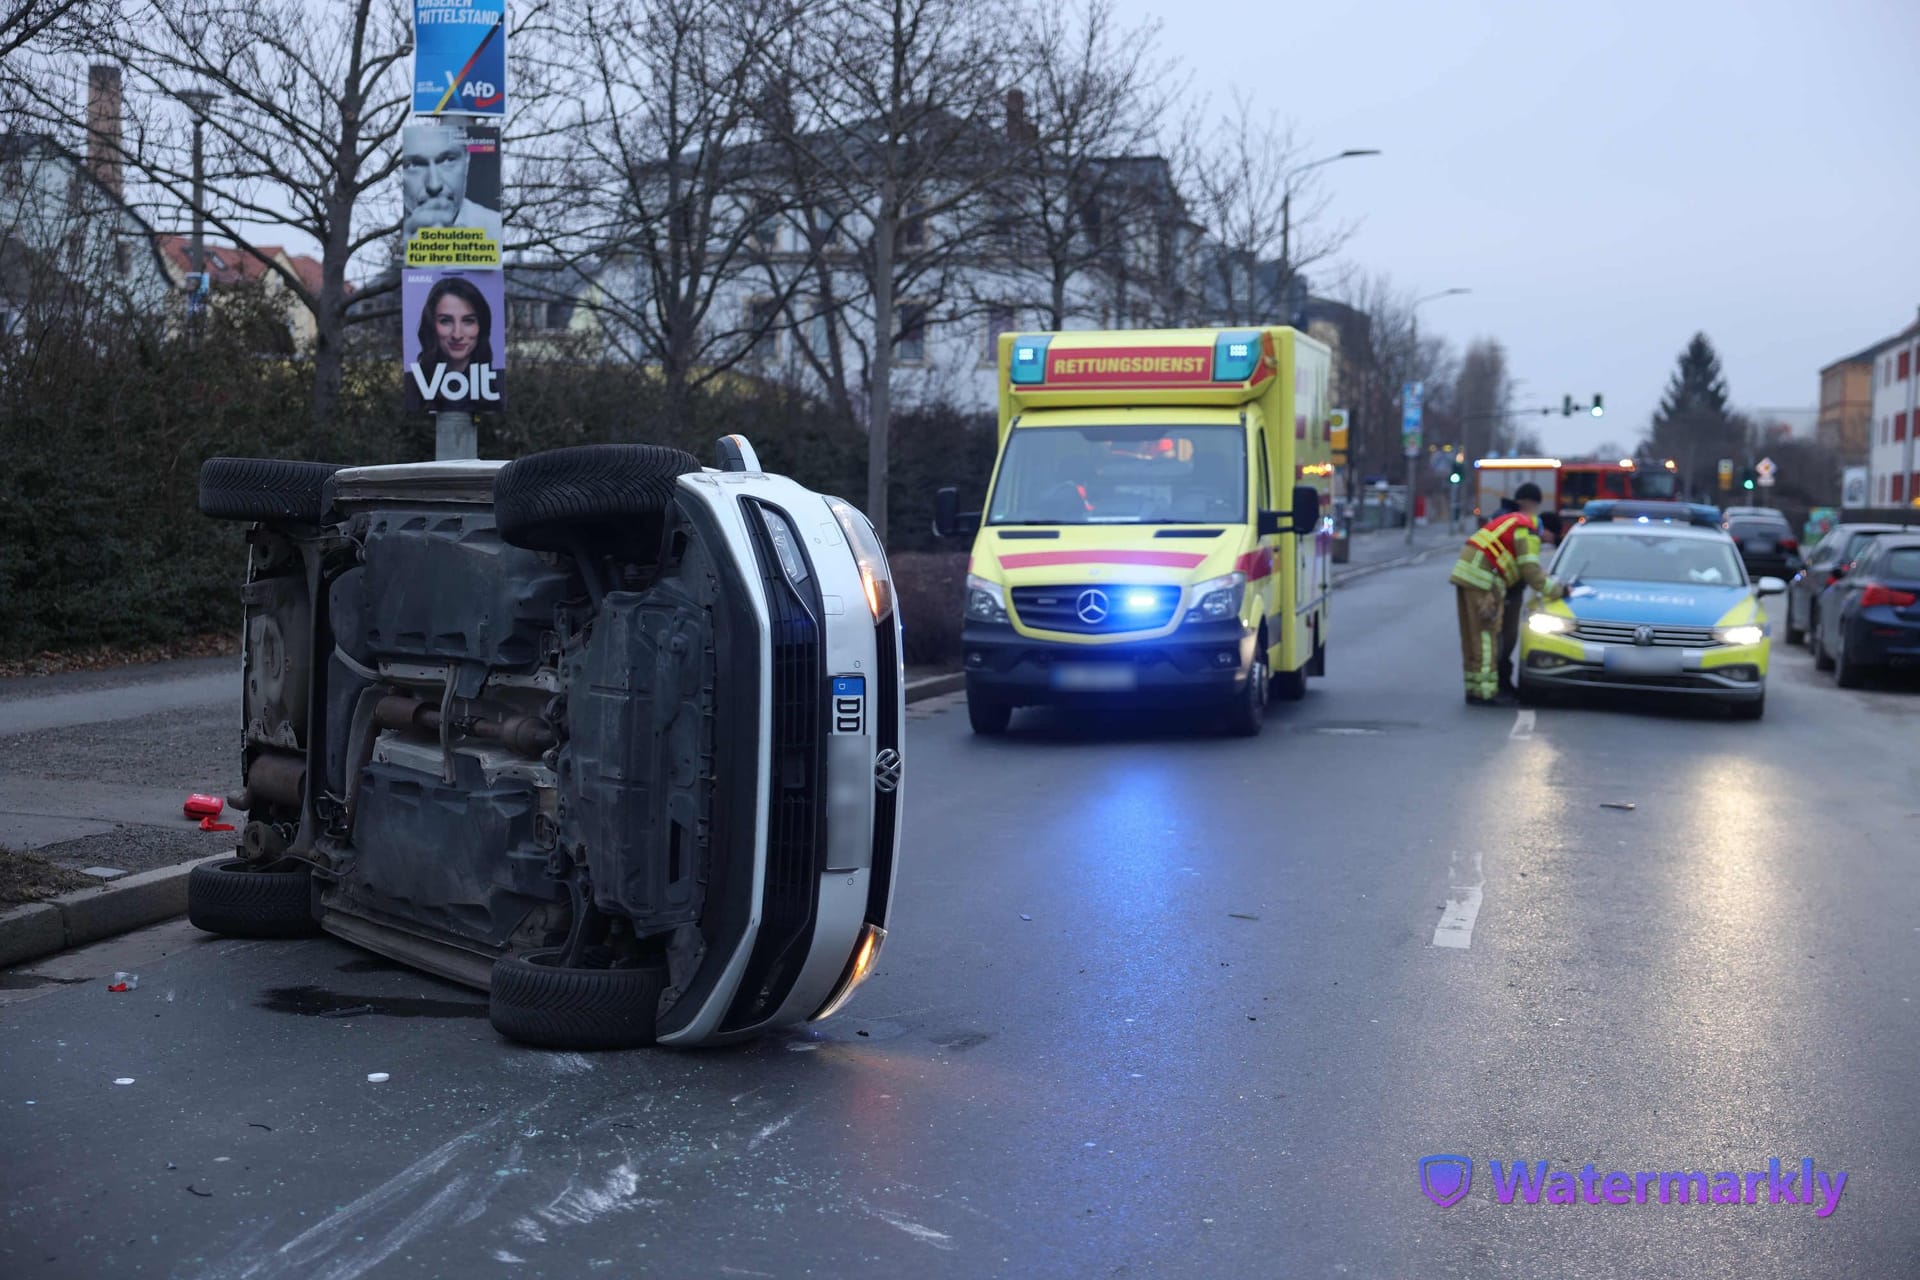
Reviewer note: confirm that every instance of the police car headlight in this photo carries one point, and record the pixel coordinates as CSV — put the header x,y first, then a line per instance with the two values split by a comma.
x,y
1746,634
1548,624
1218,598
876,580
985,601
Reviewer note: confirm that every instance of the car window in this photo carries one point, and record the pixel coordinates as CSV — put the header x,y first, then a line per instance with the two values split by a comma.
x,y
1650,557
1857,543
1902,562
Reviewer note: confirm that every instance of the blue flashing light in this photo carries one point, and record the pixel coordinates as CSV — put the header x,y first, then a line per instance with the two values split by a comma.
x,y
1141,601
1029,360
1236,355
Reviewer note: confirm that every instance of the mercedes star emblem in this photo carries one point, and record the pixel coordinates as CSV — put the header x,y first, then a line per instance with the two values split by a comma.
x,y
886,771
1092,606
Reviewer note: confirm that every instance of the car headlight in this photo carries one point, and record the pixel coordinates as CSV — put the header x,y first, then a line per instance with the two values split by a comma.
x,y
876,580
1745,634
1548,624
985,601
1218,598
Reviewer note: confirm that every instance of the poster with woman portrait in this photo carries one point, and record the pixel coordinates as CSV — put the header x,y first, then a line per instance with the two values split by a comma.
x,y
454,340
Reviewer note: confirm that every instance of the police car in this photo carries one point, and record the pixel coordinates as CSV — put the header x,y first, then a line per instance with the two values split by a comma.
x,y
1661,608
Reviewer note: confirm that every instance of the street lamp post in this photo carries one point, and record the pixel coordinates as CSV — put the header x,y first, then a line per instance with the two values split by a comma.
x,y
1286,207
1413,455
199,101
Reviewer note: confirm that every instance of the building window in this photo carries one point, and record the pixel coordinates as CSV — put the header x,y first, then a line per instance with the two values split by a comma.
x,y
914,323
913,228
999,320
1899,490
763,347
1900,425
765,231
1902,374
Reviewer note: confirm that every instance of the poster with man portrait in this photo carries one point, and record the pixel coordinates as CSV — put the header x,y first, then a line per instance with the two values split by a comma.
x,y
454,340
450,194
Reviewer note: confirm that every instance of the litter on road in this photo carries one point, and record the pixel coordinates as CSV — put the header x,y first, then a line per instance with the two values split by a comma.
x,y
1617,804
377,1077
124,981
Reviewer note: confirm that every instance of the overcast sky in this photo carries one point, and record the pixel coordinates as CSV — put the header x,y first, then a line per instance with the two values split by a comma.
x,y
1607,178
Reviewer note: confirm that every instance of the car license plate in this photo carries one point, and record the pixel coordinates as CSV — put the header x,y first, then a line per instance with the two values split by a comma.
x,y
1626,661
1104,676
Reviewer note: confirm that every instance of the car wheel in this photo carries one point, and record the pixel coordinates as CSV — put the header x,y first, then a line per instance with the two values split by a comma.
x,y
535,1000
608,498
1249,707
1750,710
237,901
264,489
1848,675
1822,660
988,716
1794,634
1812,632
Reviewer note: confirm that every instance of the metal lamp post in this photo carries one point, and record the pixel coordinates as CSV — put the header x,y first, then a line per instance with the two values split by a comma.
x,y
1413,457
1286,205
199,101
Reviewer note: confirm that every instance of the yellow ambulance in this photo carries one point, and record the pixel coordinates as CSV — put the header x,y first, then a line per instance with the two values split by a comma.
x,y
1157,530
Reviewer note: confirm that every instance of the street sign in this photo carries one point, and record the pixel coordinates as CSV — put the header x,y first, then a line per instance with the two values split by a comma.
x,y
460,57
1853,487
1726,473
1763,471
1411,396
1337,433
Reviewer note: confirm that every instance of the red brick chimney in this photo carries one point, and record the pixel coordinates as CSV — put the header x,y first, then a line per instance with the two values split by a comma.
x,y
103,127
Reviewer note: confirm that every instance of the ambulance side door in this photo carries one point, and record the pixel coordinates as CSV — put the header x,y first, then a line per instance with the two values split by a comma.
x,y
1267,549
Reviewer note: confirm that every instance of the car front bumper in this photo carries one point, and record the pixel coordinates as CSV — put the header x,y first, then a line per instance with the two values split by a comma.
x,y
1197,663
1720,673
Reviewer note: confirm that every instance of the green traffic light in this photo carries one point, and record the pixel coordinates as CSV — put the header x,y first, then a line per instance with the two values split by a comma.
x,y
1454,478
1746,484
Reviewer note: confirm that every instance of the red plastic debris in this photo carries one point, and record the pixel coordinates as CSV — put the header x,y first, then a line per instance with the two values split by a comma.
x,y
119,986
208,824
199,806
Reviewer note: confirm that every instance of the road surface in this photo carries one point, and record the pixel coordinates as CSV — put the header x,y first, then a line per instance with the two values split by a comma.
x,y
1155,1004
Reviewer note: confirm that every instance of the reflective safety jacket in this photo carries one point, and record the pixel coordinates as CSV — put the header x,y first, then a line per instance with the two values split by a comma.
x,y
1503,554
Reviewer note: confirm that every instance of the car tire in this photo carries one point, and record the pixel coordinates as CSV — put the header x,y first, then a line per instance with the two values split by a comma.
x,y
535,1001
1822,660
1248,710
1795,635
600,497
1750,710
268,489
1848,675
234,900
988,716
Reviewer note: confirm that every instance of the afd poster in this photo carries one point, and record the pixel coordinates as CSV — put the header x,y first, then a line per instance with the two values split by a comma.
x,y
453,328
450,194
460,57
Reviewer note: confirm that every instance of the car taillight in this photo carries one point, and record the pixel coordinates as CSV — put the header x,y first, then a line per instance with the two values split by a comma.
x,y
1877,594
1789,544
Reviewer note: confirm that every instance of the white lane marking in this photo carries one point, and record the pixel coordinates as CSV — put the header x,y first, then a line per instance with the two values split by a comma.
x,y
1522,723
1463,906
924,1234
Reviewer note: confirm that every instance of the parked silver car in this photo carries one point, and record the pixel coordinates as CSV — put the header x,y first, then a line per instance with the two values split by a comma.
x,y
611,735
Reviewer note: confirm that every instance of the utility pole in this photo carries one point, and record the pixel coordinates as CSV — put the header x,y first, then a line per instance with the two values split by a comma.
x,y
199,101
1286,214
1413,454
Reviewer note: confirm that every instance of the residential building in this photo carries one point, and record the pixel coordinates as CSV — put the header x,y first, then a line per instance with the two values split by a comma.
x,y
1893,472
66,230
263,266
1846,406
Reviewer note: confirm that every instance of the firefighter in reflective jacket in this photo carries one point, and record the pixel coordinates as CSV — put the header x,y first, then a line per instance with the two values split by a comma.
x,y
1505,554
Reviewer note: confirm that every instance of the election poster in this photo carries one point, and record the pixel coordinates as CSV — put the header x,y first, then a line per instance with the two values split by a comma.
x,y
460,57
454,340
450,194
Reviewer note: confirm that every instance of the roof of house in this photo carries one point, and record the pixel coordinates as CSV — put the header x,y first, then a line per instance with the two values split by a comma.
x,y
229,265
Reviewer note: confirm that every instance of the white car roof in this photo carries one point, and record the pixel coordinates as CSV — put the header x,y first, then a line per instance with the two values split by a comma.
x,y
1633,528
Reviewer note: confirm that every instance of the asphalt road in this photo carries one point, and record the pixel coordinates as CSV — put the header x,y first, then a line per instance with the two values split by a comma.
x,y
1155,1004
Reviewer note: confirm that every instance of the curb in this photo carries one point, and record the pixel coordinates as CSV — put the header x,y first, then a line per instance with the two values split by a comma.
x,y
38,929
934,686
1381,566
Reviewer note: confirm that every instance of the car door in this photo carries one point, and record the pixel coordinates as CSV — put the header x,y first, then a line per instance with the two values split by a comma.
x,y
1808,582
1837,607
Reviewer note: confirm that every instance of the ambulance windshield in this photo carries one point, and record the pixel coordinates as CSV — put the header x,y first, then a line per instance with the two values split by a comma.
x,y
1122,475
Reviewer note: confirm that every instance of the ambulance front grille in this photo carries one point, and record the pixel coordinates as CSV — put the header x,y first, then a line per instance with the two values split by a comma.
x,y
1096,608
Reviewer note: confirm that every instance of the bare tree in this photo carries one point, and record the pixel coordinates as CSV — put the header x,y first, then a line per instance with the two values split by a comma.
x,y
51,25
1483,395
889,115
669,190
1253,188
1391,359
301,106
1087,196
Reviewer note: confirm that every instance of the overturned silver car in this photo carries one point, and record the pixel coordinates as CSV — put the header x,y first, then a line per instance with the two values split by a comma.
x,y
611,735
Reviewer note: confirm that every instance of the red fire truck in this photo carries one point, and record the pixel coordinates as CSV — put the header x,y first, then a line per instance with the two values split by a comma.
x,y
1566,487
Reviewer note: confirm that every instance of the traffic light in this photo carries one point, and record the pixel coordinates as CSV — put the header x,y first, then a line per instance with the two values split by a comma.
x,y
1746,477
1566,406
1454,478
1597,411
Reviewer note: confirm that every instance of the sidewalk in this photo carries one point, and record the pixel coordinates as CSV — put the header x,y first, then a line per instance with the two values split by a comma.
x,y
1378,548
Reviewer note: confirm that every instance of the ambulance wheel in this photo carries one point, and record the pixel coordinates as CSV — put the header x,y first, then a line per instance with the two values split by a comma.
x,y
988,716
1248,710
1287,686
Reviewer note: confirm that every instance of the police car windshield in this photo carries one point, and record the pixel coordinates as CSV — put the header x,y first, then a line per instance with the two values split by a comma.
x,y
1122,475
1649,558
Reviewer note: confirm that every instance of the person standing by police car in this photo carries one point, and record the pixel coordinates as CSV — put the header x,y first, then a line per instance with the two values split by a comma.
x,y
1503,556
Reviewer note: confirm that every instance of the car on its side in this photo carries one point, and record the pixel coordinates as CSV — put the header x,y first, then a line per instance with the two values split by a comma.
x,y
1829,561
610,736
1870,619
1656,608
1649,511
1768,545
